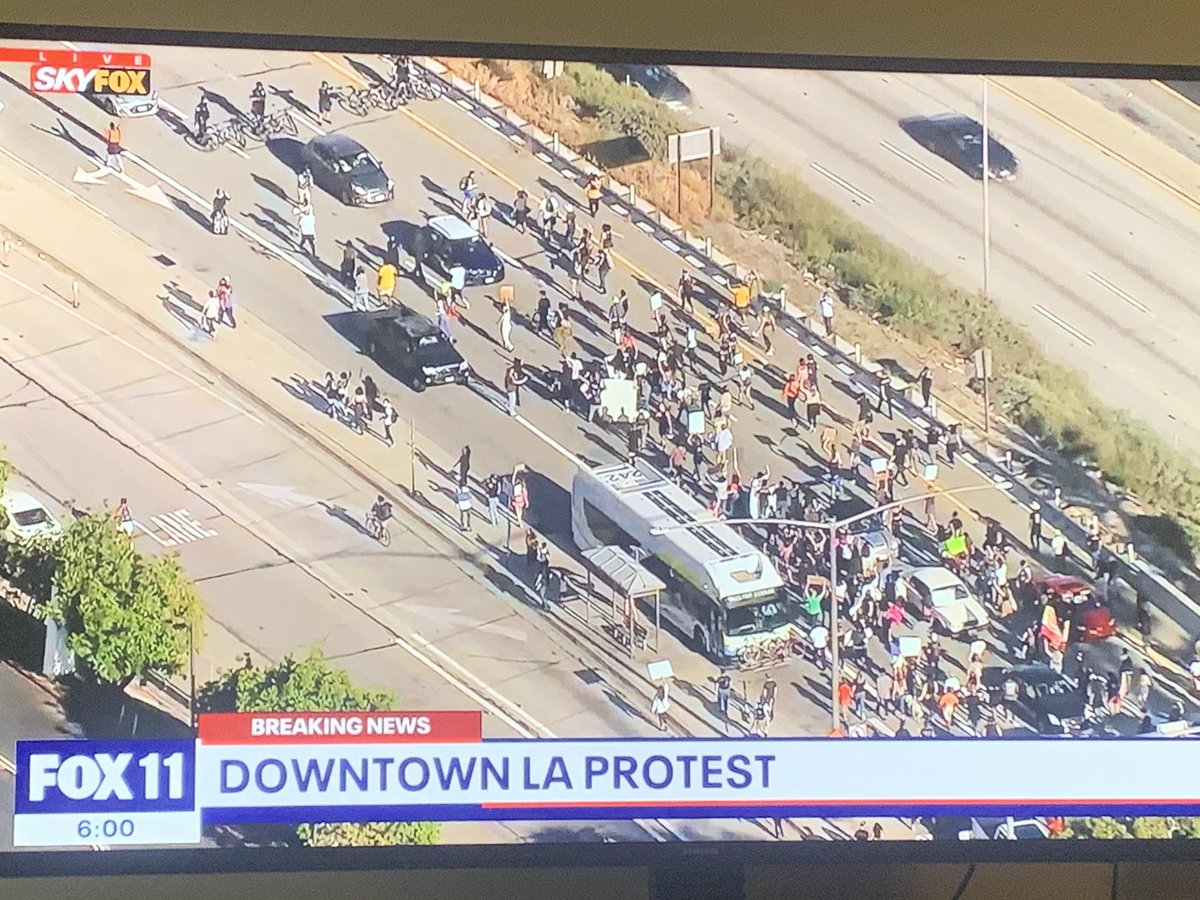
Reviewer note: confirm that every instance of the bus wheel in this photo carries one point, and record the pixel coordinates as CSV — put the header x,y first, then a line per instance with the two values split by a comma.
x,y
700,640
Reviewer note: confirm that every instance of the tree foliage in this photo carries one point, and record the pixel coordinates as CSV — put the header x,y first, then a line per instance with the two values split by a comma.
x,y
1107,828
126,613
369,834
312,685
292,685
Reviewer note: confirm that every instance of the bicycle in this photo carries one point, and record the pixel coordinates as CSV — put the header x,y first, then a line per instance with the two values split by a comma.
x,y
424,88
378,529
353,100
280,122
216,136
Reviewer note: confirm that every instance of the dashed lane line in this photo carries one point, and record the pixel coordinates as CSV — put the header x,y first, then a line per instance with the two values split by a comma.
x,y
1065,326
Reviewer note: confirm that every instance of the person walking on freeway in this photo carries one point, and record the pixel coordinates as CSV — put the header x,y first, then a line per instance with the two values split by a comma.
x,y
514,378
113,150
687,291
389,416
926,381
661,705
826,308
210,313
385,283
1035,528
521,211
506,325
325,102
200,117
593,192
307,224
124,516
225,302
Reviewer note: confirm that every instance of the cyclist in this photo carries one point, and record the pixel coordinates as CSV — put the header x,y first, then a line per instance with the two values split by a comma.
x,y
258,105
377,519
220,217
201,117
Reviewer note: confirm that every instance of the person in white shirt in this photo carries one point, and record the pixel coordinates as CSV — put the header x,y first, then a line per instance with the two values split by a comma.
x,y
827,312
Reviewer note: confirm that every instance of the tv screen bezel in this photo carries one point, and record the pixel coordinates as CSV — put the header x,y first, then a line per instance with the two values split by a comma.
x,y
186,860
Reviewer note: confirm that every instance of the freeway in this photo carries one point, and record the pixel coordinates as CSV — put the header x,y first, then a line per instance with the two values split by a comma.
x,y
184,440
1086,254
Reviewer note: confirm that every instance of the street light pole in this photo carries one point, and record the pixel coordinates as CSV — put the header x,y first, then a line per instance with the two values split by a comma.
x,y
987,265
832,528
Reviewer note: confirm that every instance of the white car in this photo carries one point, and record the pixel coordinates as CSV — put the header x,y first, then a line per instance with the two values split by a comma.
x,y
28,517
127,106
941,595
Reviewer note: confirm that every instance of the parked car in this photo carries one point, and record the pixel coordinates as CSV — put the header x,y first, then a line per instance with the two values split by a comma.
x,y
28,517
958,139
452,242
411,346
940,596
1044,698
347,170
658,81
127,106
881,547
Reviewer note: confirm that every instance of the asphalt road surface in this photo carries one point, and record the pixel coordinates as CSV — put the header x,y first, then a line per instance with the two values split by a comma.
x,y
100,409
1088,255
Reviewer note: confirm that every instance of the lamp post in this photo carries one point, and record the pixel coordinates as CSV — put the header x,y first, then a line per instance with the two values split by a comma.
x,y
832,528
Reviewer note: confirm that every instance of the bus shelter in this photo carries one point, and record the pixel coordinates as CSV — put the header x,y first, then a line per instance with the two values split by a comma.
x,y
629,581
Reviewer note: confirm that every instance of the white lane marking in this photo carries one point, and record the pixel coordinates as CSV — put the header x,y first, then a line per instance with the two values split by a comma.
x,y
544,157
845,368
549,441
1070,329
482,685
842,183
479,698
912,160
276,249
646,227
670,245
517,139
8,765
1105,283
278,494
465,104
104,332
308,123
565,172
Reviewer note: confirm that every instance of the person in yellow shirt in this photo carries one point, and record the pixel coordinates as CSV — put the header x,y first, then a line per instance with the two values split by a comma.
x,y
385,282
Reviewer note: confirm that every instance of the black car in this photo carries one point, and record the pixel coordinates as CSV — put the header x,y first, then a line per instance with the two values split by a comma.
x,y
411,346
347,170
657,81
1051,702
450,242
958,139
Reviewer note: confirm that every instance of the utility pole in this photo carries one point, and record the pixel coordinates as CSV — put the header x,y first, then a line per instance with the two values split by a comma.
x,y
987,267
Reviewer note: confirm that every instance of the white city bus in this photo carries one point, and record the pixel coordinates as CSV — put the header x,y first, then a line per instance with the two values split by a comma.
x,y
722,592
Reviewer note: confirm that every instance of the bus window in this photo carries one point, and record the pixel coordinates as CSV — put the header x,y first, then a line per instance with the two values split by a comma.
x,y
605,529
757,617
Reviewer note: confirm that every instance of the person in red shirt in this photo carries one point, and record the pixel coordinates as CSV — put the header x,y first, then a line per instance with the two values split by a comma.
x,y
845,694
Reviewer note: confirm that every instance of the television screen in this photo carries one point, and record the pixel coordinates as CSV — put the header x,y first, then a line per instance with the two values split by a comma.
x,y
442,450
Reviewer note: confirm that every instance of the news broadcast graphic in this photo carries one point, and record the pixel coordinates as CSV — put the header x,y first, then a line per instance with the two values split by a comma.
x,y
364,767
409,450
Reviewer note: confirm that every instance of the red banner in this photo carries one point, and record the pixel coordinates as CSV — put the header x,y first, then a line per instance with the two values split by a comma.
x,y
448,727
89,59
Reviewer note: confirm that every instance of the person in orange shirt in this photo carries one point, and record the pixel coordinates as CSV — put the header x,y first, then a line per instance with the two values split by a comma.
x,y
845,694
948,703
593,192
792,390
112,141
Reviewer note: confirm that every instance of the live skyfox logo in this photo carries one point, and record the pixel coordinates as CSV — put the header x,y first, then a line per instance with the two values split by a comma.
x,y
48,79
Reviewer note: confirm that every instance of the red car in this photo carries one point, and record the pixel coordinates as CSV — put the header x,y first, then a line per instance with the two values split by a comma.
x,y
1092,622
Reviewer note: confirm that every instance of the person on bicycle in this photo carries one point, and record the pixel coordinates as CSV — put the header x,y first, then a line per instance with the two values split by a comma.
x,y
220,217
201,117
258,104
325,95
381,512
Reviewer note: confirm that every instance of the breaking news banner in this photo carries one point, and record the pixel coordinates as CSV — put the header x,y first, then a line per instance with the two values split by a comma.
x,y
246,768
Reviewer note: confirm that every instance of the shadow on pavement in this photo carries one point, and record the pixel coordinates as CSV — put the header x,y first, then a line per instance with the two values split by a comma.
x,y
107,712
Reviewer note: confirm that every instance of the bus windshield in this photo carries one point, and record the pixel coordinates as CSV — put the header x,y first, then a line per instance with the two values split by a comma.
x,y
757,617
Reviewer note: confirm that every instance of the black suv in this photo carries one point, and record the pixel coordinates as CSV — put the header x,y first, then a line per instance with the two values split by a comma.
x,y
1051,702
450,242
411,346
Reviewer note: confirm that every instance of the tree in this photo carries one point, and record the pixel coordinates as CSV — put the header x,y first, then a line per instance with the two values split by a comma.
x,y
126,613
1140,827
292,685
369,834
312,685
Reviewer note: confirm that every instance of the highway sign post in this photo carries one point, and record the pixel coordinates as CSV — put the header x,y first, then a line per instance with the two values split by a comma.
x,y
687,146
